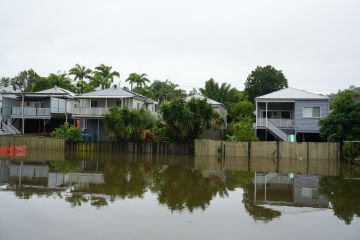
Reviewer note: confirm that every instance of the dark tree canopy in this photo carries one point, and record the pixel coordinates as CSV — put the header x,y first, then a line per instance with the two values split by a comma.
x,y
185,121
223,93
244,109
264,80
24,80
59,80
123,124
160,91
343,122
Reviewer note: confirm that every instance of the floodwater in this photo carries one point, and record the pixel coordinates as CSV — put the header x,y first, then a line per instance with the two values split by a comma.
x,y
119,196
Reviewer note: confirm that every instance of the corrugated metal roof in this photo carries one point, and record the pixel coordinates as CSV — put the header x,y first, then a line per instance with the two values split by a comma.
x,y
114,92
57,90
292,94
198,96
109,92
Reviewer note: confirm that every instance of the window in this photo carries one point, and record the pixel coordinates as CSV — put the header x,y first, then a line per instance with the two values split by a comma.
x,y
138,106
285,115
39,104
84,124
311,112
118,103
94,103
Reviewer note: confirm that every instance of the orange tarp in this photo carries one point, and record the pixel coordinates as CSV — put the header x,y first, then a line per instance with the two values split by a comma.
x,y
16,151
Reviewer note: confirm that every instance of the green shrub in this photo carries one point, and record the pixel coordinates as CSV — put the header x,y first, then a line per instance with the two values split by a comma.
x,y
68,132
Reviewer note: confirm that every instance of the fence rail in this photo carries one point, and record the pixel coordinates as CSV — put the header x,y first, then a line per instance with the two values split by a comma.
x,y
33,142
130,147
306,157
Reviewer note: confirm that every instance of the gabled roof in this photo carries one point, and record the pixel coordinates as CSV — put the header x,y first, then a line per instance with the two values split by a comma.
x,y
113,92
198,96
57,90
292,94
109,92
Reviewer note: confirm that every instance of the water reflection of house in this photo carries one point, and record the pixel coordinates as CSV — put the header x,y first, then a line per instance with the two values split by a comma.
x,y
4,171
287,190
78,179
40,175
30,174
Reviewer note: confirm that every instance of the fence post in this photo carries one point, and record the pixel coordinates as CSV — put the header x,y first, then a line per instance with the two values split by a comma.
x,y
277,156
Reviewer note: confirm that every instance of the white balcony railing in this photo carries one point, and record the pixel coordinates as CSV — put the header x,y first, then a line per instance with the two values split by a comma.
x,y
30,111
278,122
95,111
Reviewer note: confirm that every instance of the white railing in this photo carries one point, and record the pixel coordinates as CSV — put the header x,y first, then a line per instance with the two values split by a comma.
x,y
95,111
30,111
43,111
278,122
9,129
275,130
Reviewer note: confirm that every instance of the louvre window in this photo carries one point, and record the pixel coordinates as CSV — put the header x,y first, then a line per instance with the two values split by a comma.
x,y
311,112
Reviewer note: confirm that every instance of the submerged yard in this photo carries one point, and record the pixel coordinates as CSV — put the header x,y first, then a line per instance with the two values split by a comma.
x,y
139,196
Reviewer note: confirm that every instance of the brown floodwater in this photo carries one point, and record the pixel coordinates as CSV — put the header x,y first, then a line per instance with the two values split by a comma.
x,y
128,196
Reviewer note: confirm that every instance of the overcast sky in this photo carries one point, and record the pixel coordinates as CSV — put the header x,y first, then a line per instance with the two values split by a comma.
x,y
315,43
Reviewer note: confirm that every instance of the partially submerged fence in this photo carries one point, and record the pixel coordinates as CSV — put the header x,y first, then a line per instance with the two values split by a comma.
x,y
306,157
32,148
131,147
33,142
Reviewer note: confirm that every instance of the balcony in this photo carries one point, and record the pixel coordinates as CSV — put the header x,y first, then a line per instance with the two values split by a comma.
x,y
30,112
278,122
94,111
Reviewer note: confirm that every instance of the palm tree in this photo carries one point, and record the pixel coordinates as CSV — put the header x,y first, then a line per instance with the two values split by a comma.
x,y
139,79
104,76
80,72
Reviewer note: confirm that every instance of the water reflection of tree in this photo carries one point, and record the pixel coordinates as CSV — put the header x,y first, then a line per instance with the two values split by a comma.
x,y
186,188
98,201
344,195
242,179
125,180
76,200
255,211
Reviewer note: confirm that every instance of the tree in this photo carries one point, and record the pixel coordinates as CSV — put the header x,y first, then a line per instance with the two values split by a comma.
x,y
244,109
342,123
123,124
185,121
223,93
264,80
24,80
138,79
59,80
145,91
243,131
161,91
70,133
5,82
104,76
81,73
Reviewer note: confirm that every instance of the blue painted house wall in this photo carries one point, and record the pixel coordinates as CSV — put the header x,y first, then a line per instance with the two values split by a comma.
x,y
309,124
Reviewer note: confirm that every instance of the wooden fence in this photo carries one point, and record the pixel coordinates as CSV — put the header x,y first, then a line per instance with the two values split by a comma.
x,y
33,142
131,147
38,148
283,157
